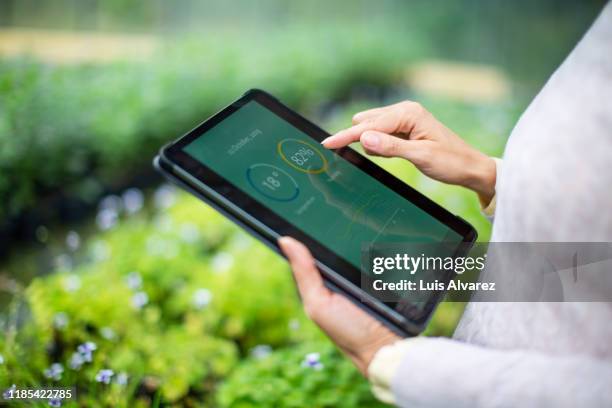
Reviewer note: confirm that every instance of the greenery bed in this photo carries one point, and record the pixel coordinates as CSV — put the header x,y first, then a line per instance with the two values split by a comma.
x,y
185,309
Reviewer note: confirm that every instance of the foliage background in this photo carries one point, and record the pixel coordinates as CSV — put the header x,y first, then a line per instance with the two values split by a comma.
x,y
186,307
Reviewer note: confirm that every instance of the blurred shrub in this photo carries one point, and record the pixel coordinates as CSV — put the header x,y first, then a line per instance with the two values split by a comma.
x,y
184,308
78,129
173,300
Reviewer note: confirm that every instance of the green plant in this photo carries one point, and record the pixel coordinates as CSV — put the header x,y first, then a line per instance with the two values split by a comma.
x,y
179,303
172,298
308,375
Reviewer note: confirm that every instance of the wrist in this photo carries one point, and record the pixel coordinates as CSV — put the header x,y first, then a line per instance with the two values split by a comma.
x,y
482,174
363,358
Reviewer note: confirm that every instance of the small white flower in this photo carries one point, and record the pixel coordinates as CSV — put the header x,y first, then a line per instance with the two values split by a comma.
x,y
107,218
261,351
241,240
122,379
133,200
63,261
222,261
189,233
1,359
172,250
133,280
140,300
201,298
294,324
157,246
111,202
164,196
100,251
108,333
73,240
163,223
312,360
72,283
60,320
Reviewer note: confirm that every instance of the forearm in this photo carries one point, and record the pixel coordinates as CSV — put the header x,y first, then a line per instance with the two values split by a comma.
x,y
441,372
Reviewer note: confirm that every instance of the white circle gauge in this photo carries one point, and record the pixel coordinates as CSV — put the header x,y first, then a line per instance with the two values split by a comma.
x,y
272,182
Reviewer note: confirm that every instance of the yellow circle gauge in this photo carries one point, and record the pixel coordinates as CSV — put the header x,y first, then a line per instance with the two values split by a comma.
x,y
302,156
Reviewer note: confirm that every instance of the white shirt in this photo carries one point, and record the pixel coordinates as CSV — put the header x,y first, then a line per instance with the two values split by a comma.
x,y
556,186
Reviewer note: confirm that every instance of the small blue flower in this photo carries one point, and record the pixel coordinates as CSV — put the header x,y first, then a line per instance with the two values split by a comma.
x,y
76,361
1,359
54,372
104,376
88,346
86,349
312,360
55,402
140,300
122,379
8,392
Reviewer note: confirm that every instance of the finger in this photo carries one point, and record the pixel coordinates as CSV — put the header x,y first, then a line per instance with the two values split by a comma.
x,y
372,113
308,278
382,144
345,137
387,122
368,114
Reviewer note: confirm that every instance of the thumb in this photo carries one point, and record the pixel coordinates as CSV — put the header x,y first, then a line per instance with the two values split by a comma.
x,y
309,280
382,144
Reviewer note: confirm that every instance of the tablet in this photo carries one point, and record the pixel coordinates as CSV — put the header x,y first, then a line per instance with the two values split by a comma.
x,y
261,164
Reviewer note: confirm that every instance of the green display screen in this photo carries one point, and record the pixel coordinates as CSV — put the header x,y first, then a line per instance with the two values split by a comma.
x,y
311,187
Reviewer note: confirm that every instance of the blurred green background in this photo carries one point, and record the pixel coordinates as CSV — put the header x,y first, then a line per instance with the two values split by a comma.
x,y
182,306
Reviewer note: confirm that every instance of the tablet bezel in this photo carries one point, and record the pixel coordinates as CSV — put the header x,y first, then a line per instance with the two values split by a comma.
x,y
190,168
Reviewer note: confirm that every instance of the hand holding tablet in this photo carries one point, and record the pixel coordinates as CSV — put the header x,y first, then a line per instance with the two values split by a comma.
x,y
358,334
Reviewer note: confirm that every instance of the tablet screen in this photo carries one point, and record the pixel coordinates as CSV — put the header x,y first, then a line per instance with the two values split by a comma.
x,y
312,188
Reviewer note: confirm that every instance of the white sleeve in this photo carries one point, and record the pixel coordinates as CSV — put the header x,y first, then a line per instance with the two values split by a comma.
x,y
440,372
